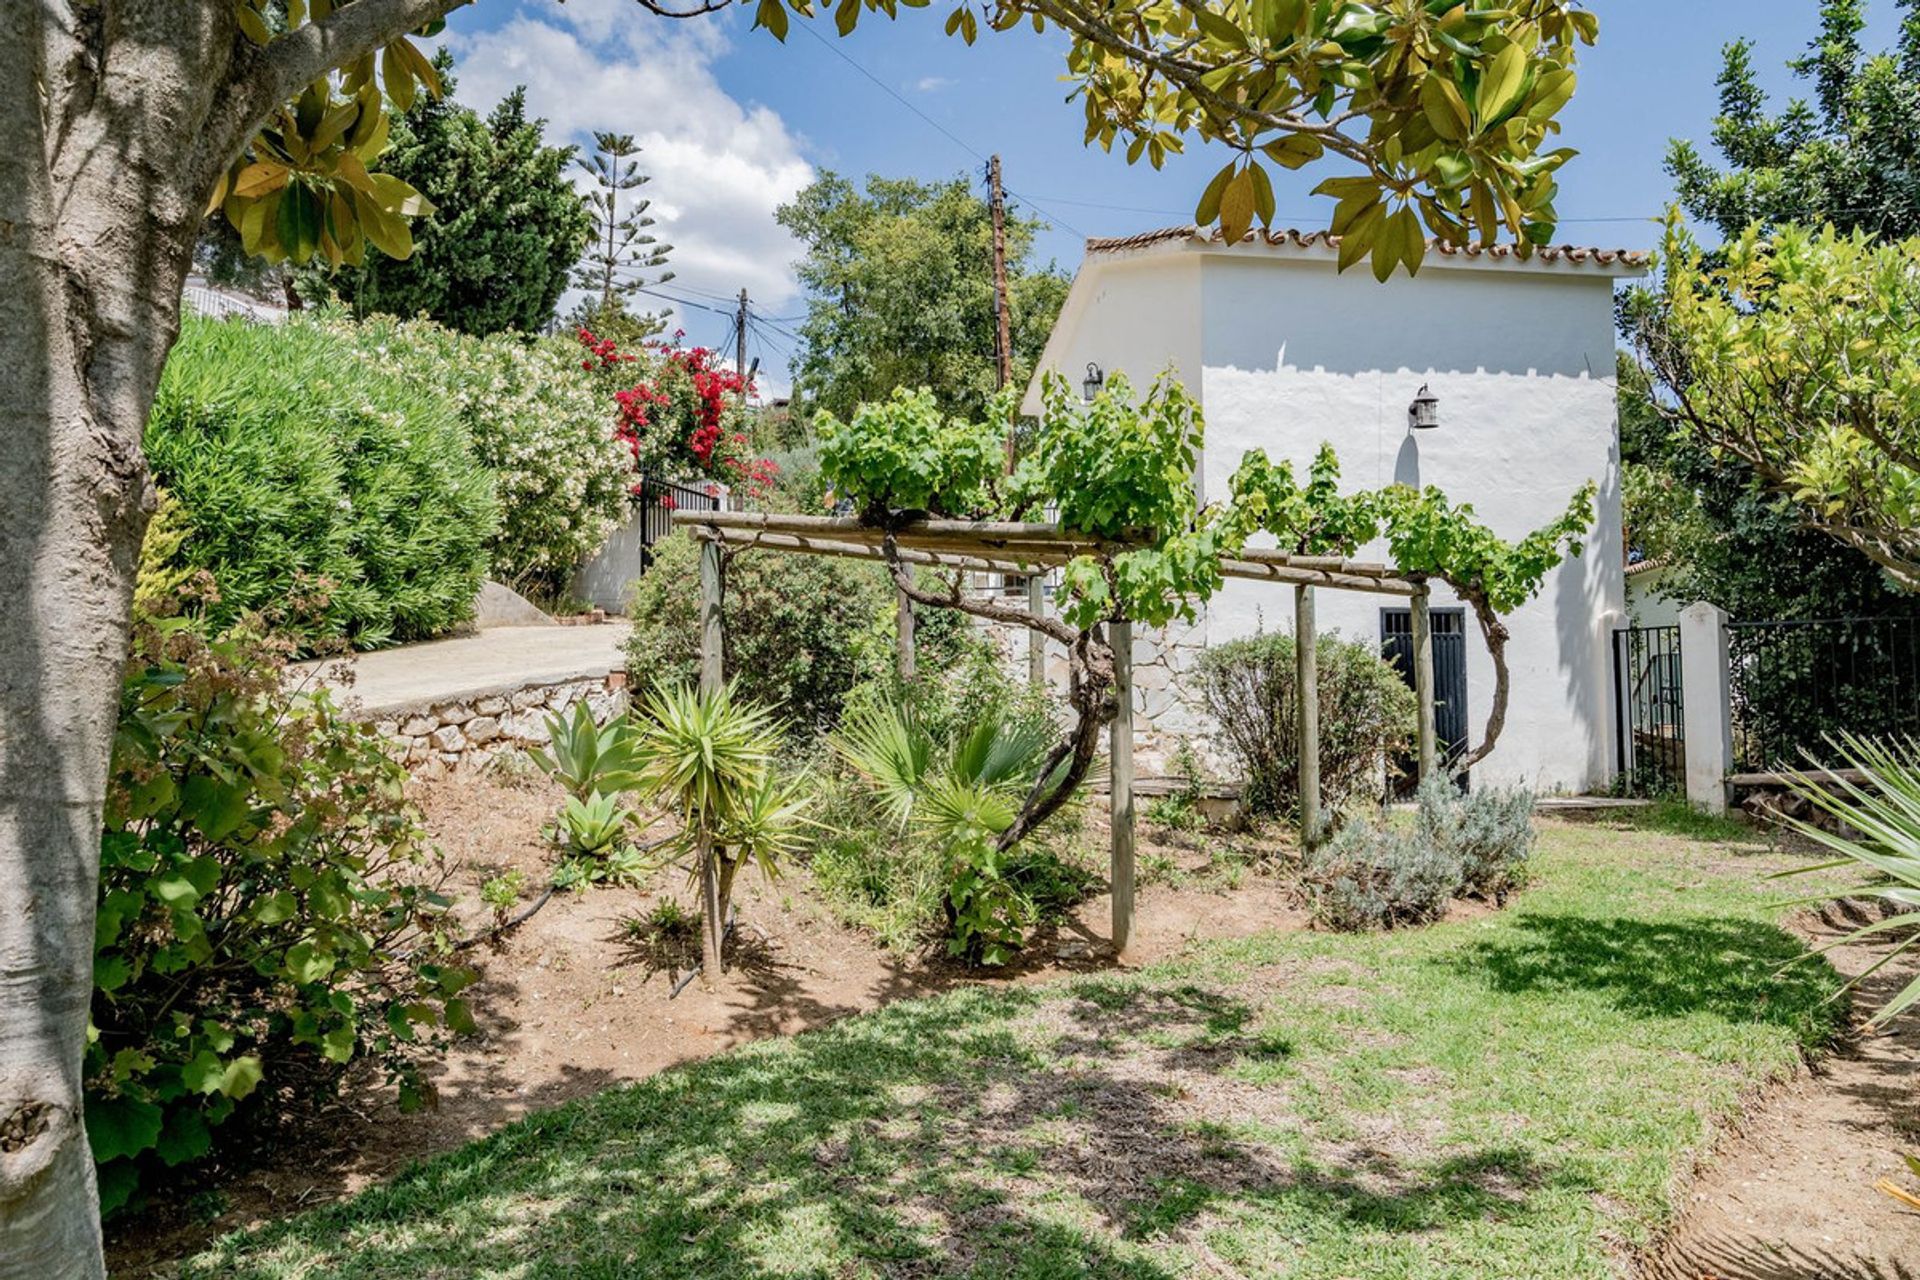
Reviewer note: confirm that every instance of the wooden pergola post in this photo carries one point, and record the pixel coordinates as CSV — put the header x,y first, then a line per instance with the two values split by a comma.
x,y
1306,663
1037,643
712,637
903,638
1120,773
1426,734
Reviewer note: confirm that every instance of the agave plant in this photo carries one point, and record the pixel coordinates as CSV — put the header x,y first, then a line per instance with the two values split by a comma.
x,y
585,757
711,756
1885,810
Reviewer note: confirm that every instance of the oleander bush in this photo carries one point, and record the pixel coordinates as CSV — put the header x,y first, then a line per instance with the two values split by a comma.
x,y
341,495
1367,717
536,420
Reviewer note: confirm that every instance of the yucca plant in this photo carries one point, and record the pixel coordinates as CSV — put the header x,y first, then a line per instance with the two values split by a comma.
x,y
1885,810
711,756
585,757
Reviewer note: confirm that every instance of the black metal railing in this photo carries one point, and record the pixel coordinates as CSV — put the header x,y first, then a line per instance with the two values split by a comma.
x,y
1794,683
656,500
1648,697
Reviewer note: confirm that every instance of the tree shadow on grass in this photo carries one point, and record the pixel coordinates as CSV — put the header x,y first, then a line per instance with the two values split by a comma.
x,y
947,1137
1732,969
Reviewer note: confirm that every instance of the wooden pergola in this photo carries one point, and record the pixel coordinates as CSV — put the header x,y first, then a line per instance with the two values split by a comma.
x,y
1029,550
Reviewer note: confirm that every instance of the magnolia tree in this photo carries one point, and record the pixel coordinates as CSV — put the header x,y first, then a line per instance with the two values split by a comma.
x,y
1119,472
131,119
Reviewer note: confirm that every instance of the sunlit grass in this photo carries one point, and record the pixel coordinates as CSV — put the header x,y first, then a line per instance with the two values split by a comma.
x,y
1509,1096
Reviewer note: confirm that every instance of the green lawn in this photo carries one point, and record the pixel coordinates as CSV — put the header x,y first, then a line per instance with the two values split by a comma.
x,y
1510,1096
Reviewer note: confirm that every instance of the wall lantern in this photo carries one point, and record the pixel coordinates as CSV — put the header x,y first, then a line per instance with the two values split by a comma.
x,y
1424,413
1094,381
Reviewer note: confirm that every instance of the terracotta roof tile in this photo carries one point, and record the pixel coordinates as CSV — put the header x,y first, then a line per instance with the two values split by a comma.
x,y
1310,239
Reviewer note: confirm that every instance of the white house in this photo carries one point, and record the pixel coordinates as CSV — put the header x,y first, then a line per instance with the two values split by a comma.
x,y
1284,352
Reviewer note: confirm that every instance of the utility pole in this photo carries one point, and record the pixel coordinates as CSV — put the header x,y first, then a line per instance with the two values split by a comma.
x,y
1002,322
740,344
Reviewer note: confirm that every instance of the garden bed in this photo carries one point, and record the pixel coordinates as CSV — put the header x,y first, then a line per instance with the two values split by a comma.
x,y
1514,1093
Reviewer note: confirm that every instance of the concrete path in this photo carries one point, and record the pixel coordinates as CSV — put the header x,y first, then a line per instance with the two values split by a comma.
x,y
387,682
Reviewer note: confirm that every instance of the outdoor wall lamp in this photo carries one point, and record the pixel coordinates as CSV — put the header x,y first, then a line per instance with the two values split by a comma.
x,y
1094,381
1424,413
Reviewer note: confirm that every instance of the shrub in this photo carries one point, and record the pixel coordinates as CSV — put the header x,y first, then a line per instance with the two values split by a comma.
x,y
1372,875
306,474
929,840
1488,832
792,623
536,420
1367,716
267,912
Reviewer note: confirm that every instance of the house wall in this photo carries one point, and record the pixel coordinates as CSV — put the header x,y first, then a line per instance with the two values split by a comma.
x,y
1293,353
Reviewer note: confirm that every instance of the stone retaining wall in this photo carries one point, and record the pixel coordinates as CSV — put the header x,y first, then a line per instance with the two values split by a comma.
x,y
1167,709
473,729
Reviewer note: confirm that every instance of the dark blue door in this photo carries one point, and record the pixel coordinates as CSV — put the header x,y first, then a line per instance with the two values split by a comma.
x,y
1449,681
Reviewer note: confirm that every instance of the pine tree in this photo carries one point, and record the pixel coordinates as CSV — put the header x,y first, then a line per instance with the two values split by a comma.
x,y
622,253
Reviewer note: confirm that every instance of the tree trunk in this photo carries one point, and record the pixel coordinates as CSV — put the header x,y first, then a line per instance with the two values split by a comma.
x,y
119,118
95,239
713,908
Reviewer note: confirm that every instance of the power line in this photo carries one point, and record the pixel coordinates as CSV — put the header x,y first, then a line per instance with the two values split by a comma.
x,y
945,132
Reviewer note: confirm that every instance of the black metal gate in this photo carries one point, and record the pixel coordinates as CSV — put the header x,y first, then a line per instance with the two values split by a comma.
x,y
1648,696
656,501
1449,681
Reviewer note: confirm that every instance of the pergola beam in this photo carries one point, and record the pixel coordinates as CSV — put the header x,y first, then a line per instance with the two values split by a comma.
x,y
833,536
1028,549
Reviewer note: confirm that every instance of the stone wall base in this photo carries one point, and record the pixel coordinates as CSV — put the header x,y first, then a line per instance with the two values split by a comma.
x,y
472,731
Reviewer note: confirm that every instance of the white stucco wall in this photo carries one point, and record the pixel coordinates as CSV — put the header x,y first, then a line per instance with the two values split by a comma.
x,y
1291,354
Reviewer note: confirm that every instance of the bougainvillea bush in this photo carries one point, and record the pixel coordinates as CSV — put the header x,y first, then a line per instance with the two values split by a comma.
x,y
680,411
302,471
536,420
267,911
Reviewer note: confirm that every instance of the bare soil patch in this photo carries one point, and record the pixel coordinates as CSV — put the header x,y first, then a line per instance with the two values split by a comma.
x,y
1791,1195
569,1004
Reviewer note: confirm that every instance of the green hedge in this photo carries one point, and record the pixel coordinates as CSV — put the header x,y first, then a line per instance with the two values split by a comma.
x,y
318,487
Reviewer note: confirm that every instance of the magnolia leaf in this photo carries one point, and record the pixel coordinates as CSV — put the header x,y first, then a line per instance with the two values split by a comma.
x,y
397,77
348,167
252,23
772,14
1237,207
1444,108
1208,211
396,196
259,178
1294,151
1501,85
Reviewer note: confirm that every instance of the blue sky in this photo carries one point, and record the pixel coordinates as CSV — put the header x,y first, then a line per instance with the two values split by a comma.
x,y
735,122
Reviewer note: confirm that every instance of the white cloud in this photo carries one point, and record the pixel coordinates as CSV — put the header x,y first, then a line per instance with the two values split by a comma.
x,y
719,168
931,84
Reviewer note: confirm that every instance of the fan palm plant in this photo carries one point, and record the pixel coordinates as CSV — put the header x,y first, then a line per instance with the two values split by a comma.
x,y
711,756
960,800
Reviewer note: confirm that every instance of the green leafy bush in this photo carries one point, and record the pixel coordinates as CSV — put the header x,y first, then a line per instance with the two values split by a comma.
x,y
1367,716
1373,875
1488,832
924,844
792,626
536,420
267,911
306,474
